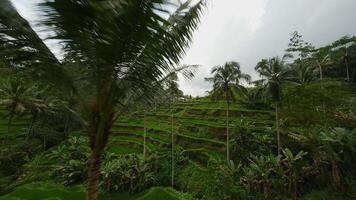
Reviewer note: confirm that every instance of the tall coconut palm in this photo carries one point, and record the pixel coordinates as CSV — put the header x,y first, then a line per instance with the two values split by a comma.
x,y
342,46
18,99
121,50
174,93
227,82
304,73
322,59
274,74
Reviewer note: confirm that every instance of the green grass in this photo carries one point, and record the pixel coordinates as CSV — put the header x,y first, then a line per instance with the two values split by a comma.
x,y
50,191
161,193
326,195
122,150
45,191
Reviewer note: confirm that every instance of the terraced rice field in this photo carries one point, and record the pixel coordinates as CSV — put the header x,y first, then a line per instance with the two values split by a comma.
x,y
199,128
18,127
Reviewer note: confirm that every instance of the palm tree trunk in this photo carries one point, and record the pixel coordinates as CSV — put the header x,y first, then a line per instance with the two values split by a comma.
x,y
277,129
144,133
31,126
8,128
172,150
93,175
335,174
99,130
320,70
347,71
295,187
227,133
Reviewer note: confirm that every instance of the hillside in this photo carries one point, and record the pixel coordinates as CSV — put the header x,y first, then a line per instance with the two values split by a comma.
x,y
199,128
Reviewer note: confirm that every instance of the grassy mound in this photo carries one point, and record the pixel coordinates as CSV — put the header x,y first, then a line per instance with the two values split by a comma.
x,y
49,191
39,191
161,193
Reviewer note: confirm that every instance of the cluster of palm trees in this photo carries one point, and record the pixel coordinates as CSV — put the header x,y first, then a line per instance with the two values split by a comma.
x,y
228,83
116,52
311,59
276,72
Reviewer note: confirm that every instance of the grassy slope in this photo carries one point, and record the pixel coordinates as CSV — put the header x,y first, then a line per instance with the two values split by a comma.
x,y
48,191
18,126
36,191
199,126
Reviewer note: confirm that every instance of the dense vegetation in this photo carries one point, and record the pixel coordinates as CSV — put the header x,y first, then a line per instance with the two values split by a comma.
x,y
109,121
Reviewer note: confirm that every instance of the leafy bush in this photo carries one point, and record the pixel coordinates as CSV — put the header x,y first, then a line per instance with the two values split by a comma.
x,y
72,157
16,156
245,141
15,159
264,175
226,184
164,163
130,172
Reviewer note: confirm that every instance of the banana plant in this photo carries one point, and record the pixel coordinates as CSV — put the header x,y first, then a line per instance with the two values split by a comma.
x,y
263,174
292,163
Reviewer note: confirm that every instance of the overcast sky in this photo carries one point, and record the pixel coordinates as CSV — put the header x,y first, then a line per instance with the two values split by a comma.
x,y
249,30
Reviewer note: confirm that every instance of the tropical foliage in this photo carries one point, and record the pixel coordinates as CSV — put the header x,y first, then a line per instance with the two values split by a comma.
x,y
106,118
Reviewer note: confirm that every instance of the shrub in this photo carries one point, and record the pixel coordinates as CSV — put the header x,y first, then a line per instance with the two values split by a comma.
x,y
130,172
72,157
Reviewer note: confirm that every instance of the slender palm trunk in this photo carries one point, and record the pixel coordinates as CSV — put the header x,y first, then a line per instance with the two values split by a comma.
x,y
172,139
227,133
8,128
295,186
99,131
93,175
34,116
335,174
347,71
277,129
144,134
320,71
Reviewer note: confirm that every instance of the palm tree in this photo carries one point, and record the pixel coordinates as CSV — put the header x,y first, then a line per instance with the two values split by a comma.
x,y
120,50
304,73
322,59
346,58
22,99
17,98
342,45
174,93
227,82
274,74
